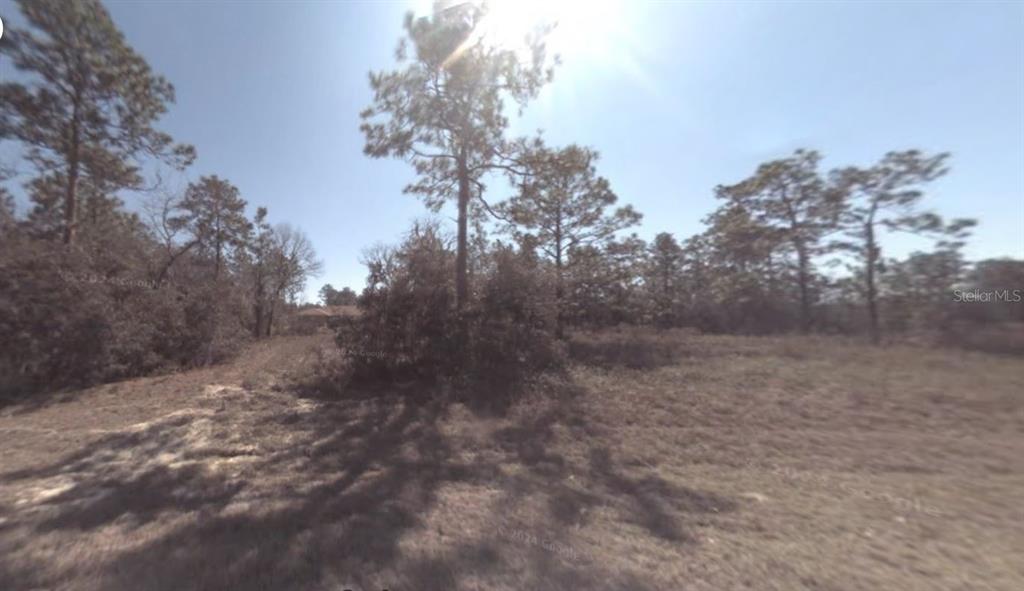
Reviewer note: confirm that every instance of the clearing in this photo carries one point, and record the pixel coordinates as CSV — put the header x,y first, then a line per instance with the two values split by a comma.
x,y
741,463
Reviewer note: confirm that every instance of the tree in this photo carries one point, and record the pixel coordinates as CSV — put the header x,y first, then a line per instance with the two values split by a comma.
x,y
346,297
214,213
260,252
1003,277
887,195
790,200
664,279
919,289
7,208
87,113
603,282
562,205
292,261
443,111
744,282
699,309
333,297
327,294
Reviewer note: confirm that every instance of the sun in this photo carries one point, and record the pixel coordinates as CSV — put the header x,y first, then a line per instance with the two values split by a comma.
x,y
578,28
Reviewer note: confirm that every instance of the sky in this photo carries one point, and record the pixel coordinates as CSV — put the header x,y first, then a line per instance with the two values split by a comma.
x,y
677,97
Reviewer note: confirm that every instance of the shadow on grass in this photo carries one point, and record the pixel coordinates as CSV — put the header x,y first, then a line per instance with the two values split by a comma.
x,y
647,500
324,498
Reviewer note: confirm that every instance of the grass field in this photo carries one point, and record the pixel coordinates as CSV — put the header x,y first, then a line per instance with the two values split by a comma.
x,y
726,463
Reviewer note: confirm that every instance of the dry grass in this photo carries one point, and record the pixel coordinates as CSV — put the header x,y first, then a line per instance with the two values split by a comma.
x,y
727,463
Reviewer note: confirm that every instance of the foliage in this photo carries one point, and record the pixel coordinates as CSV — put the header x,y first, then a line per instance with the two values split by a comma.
x,y
917,292
213,212
90,291
443,110
337,297
788,204
561,207
664,281
410,326
886,195
89,108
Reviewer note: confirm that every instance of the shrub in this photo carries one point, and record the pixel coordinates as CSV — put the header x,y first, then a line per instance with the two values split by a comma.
x,y
409,327
71,318
514,319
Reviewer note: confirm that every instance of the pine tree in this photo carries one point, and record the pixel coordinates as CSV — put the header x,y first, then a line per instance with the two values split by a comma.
x,y
443,111
86,114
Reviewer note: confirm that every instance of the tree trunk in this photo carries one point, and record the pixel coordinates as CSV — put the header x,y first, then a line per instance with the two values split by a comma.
x,y
803,261
461,275
869,276
217,238
257,308
559,285
71,195
257,313
170,262
559,295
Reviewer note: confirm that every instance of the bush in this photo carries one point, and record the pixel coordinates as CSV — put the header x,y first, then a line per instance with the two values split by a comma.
x,y
70,319
409,327
514,319
54,330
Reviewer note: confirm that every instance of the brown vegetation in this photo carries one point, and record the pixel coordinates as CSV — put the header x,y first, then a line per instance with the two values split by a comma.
x,y
756,462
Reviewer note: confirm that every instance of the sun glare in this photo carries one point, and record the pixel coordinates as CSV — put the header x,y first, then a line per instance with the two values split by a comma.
x,y
579,27
586,36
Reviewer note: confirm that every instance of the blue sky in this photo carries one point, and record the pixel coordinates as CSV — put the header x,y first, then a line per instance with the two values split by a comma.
x,y
684,96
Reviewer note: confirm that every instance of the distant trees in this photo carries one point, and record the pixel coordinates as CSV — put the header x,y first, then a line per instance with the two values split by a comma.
x,y
334,297
89,108
664,280
213,212
918,291
562,207
995,276
886,195
293,260
790,204
443,110
604,283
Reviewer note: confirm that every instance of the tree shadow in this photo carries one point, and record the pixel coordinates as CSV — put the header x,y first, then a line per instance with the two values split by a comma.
x,y
326,499
647,500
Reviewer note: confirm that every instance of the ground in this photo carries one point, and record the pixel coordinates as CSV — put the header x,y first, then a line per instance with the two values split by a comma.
x,y
734,463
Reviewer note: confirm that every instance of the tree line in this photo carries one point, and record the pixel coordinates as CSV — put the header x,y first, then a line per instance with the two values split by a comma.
x,y
758,267
191,276
90,290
